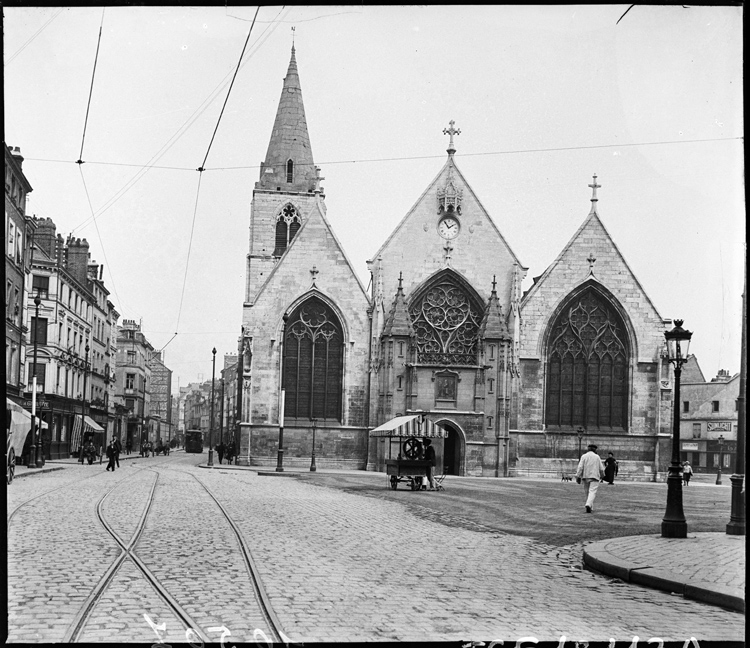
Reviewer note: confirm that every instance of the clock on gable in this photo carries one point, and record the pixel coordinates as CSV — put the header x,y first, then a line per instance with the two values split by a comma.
x,y
449,227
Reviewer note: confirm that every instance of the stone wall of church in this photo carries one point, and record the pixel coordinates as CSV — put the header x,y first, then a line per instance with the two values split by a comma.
x,y
645,329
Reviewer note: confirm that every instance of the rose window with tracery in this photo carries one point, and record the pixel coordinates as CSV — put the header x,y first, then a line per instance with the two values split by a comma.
x,y
587,367
446,323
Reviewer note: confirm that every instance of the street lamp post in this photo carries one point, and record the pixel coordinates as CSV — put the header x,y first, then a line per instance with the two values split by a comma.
x,y
579,434
211,419
313,468
83,402
718,473
36,428
673,524
736,524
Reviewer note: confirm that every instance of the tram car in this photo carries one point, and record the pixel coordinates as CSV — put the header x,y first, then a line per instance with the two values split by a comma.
x,y
194,441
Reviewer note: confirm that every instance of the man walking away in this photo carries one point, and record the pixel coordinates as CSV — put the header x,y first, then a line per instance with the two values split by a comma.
x,y
111,453
220,451
128,446
591,472
429,455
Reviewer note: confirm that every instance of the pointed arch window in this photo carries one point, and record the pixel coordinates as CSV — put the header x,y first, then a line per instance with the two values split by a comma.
x,y
288,223
446,316
290,171
313,362
587,366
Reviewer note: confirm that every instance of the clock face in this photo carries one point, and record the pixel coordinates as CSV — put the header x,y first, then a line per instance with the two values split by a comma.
x,y
448,228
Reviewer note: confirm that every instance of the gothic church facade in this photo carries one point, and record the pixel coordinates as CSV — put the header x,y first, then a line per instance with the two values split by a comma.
x,y
516,379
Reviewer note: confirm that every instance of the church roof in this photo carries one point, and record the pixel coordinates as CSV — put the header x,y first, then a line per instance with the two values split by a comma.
x,y
592,222
493,324
398,321
289,140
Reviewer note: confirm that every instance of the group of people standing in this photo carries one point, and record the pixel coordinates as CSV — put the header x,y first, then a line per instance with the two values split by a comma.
x,y
225,450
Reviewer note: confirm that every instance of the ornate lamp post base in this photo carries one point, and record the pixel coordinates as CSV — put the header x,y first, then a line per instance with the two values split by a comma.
x,y
674,525
736,524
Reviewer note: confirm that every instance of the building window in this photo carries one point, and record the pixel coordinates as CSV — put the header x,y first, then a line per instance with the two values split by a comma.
x,y
288,223
696,430
40,286
39,330
130,403
491,382
290,171
446,389
400,382
313,362
40,370
685,406
130,381
400,348
587,366
716,459
446,315
715,406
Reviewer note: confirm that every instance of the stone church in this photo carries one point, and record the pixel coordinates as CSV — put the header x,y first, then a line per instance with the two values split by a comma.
x,y
517,379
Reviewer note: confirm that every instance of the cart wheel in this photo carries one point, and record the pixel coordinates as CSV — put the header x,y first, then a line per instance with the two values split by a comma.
x,y
11,467
411,446
394,482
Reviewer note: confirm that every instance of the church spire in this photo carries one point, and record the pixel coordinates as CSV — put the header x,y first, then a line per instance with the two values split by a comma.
x,y
289,164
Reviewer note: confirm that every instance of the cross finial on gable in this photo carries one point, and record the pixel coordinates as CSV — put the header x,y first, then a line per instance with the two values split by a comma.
x,y
400,280
594,186
314,272
591,261
494,283
318,179
451,131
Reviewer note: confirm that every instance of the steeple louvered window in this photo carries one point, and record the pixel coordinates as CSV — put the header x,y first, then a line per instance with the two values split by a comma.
x,y
290,171
288,223
313,362
587,367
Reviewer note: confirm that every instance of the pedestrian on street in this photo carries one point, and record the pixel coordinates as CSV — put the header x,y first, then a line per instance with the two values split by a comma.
x,y
611,468
220,451
111,453
118,448
429,455
152,447
687,472
128,446
590,472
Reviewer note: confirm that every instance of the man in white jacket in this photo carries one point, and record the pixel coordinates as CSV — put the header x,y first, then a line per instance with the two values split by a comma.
x,y
591,472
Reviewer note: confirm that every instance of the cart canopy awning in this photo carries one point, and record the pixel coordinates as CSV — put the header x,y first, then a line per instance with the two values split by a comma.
x,y
405,426
20,425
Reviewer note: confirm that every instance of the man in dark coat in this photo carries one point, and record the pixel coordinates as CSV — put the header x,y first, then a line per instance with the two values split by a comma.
x,y
429,455
118,448
220,451
111,454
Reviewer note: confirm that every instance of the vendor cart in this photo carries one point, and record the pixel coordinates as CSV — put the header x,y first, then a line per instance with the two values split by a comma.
x,y
18,425
409,465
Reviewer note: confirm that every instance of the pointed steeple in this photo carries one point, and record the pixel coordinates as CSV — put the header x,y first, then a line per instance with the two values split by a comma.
x,y
493,324
398,321
289,162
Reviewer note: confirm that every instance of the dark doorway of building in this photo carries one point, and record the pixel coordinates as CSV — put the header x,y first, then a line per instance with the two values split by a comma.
x,y
451,451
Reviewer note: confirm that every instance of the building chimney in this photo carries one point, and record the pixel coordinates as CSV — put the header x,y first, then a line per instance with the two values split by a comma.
x,y
77,259
45,236
15,151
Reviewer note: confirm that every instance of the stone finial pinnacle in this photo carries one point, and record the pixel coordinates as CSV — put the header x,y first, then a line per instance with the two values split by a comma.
x,y
594,186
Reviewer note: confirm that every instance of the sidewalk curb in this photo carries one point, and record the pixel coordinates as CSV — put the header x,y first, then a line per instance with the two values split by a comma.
x,y
36,471
600,560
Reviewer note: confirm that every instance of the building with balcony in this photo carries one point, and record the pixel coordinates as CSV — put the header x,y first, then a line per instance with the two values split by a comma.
x,y
19,231
71,345
133,382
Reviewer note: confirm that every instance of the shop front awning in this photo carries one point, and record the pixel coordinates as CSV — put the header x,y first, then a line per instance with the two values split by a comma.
x,y
416,425
89,425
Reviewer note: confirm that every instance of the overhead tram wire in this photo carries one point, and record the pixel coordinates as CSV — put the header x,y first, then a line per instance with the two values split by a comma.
x,y
200,175
265,35
91,89
28,42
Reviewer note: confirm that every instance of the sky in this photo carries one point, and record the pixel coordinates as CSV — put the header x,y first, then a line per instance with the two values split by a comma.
x,y
544,96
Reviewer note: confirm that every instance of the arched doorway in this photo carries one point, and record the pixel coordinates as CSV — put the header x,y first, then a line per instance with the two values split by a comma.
x,y
452,446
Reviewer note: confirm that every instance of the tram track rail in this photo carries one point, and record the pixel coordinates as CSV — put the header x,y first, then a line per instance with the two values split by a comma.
x,y
77,628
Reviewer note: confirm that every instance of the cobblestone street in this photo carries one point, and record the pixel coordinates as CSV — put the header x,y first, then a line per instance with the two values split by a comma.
x,y
335,566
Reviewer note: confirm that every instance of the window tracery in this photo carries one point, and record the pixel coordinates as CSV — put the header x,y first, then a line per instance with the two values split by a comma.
x,y
313,362
446,321
587,367
288,223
